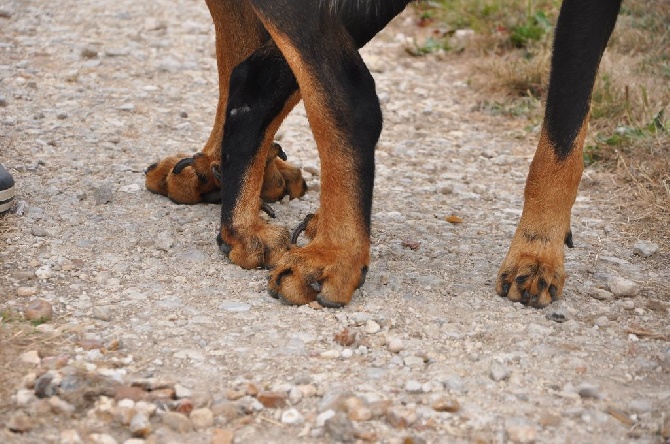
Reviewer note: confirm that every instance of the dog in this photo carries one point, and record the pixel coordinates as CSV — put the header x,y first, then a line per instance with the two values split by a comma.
x,y
273,53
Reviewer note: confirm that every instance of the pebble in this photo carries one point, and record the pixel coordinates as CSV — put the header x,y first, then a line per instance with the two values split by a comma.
x,y
396,345
446,405
272,400
292,416
61,407
357,409
102,313
89,53
24,397
323,417
177,422
202,418
622,287
372,327
20,423
226,410
645,248
222,436
101,438
39,310
182,392
103,194
640,406
589,391
44,387
413,361
140,426
413,386
499,372
25,292
31,357
70,436
340,428
400,417
519,430
331,354
601,294
38,231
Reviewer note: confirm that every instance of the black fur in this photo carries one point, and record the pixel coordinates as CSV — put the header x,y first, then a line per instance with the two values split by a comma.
x,y
582,32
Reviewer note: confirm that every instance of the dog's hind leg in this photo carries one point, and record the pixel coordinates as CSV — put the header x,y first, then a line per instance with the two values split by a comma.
x,y
189,179
533,271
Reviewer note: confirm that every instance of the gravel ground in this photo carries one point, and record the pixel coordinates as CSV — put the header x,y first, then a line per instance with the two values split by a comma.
x,y
165,341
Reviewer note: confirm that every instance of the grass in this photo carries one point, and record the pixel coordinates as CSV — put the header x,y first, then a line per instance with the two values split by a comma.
x,y
510,47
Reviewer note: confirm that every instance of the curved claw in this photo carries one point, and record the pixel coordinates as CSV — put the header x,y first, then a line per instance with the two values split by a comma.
x,y
328,304
179,167
151,167
267,209
316,286
280,152
223,247
302,226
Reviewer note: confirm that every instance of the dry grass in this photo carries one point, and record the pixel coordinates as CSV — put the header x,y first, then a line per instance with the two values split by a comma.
x,y
630,127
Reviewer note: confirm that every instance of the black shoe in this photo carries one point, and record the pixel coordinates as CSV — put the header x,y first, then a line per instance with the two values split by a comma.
x,y
6,190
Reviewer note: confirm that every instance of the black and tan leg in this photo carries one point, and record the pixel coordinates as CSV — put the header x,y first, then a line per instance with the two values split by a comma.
x,y
533,271
189,179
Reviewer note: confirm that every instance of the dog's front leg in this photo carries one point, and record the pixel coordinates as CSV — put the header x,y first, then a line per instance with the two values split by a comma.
x,y
533,271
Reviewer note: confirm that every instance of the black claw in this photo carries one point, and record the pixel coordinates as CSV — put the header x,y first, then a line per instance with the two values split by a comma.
x,y
280,152
525,297
505,289
316,286
534,301
328,304
553,292
153,166
178,168
223,247
302,226
267,209
364,273
568,239
273,293
216,172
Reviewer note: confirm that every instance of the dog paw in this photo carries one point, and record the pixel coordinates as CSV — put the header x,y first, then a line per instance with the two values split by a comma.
x,y
184,179
533,272
281,178
259,245
329,274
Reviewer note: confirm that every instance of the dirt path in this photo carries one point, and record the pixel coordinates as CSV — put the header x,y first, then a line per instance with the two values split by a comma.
x,y
95,91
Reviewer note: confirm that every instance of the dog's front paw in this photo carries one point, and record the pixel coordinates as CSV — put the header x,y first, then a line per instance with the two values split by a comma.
x,y
184,179
258,245
281,178
320,271
533,272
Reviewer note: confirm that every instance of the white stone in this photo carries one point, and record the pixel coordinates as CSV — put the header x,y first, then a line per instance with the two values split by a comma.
x,y
292,416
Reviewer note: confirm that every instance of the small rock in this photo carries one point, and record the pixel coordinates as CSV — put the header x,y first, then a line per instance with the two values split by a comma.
x,y
102,313
588,391
177,422
396,345
499,372
622,287
323,417
340,428
20,423
222,436
44,387
640,406
226,410
25,292
61,407
331,354
446,405
601,295
24,397
372,327
38,231
645,248
295,395
101,438
519,430
39,310
357,409
103,194
62,115
70,436
89,53
400,417
413,386
346,337
140,426
182,392
202,418
31,357
413,361
292,416
272,400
